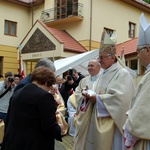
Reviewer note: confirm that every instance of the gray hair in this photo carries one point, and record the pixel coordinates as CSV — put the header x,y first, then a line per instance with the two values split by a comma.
x,y
96,61
46,63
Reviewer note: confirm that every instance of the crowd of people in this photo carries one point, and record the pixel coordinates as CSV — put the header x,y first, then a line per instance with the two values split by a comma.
x,y
101,111
14,88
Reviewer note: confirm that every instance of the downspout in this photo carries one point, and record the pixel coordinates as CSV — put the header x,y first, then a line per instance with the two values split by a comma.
x,y
90,40
32,17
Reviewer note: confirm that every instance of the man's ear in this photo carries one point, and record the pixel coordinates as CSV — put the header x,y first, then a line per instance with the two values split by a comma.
x,y
113,57
148,50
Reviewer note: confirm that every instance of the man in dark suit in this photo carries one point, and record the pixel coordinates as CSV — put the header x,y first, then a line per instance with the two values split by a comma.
x,y
42,62
76,76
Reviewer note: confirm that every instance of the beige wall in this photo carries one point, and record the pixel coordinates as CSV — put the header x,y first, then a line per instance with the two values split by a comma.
x,y
18,14
36,12
10,63
113,14
49,4
8,44
86,44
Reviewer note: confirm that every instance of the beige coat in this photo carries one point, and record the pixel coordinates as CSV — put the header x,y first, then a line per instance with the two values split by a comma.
x,y
138,122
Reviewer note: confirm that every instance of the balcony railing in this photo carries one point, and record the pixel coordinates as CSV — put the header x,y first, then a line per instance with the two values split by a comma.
x,y
62,12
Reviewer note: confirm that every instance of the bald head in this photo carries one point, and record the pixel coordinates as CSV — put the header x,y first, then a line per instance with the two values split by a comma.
x,y
94,67
59,80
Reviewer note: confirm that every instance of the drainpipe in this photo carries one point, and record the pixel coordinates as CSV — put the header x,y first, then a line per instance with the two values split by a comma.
x,y
32,12
90,40
31,1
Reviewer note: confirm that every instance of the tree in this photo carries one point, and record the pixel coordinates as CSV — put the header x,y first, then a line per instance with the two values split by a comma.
x,y
147,1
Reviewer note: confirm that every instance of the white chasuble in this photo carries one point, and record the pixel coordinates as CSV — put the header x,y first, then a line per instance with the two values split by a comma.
x,y
116,89
83,117
138,122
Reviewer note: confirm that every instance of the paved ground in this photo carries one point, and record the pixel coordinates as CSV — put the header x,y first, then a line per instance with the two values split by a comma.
x,y
67,143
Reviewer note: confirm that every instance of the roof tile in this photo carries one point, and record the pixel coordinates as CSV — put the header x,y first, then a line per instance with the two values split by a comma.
x,y
129,47
62,36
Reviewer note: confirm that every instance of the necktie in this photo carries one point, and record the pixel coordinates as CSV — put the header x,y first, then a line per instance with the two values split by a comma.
x,y
58,86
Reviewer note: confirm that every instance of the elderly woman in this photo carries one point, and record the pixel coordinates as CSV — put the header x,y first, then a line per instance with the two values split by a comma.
x,y
60,112
60,102
31,121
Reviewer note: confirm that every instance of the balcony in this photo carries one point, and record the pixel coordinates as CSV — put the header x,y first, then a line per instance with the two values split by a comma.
x,y
63,14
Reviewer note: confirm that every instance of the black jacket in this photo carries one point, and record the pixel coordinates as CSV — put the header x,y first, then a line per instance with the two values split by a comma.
x,y
31,122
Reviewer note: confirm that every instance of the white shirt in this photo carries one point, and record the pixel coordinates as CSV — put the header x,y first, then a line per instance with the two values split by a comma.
x,y
4,101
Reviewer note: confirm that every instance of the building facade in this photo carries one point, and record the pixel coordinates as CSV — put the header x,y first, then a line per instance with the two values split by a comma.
x,y
26,23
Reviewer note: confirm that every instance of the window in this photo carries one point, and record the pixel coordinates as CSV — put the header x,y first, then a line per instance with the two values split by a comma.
x,y
126,63
65,8
10,28
109,31
131,30
61,9
134,65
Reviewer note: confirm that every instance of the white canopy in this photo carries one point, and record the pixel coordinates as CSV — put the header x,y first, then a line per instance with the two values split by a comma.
x,y
79,61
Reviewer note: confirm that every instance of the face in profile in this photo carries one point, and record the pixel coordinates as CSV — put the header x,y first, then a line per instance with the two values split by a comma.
x,y
74,74
53,90
106,59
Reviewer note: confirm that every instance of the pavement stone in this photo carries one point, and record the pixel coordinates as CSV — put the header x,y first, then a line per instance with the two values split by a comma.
x,y
66,144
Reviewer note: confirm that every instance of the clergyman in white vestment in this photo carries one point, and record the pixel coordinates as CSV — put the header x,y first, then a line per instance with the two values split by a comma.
x,y
106,112
137,127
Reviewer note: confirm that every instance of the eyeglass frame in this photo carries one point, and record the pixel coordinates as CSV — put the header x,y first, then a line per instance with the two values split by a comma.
x,y
104,57
141,49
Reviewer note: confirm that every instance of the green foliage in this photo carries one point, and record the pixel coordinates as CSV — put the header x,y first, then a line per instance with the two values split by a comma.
x,y
147,1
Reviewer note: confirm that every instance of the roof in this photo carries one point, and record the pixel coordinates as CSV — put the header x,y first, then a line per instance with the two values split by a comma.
x,y
139,4
142,3
129,47
27,3
70,44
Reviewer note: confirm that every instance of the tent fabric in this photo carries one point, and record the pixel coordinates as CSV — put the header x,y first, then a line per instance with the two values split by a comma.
x,y
78,61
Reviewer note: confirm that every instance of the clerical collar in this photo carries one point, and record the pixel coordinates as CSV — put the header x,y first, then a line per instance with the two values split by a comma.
x,y
148,66
93,78
106,70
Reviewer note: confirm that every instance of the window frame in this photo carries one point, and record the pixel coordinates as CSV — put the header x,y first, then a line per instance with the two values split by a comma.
x,y
65,8
10,25
131,32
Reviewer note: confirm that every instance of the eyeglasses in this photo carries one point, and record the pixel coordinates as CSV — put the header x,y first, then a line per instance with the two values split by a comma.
x,y
140,49
104,57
